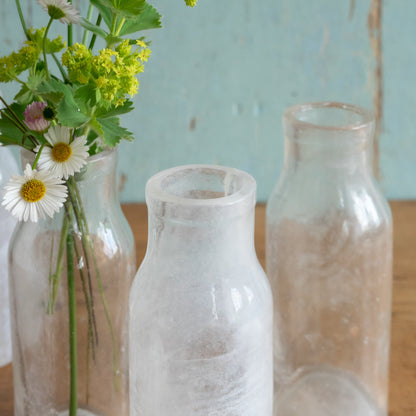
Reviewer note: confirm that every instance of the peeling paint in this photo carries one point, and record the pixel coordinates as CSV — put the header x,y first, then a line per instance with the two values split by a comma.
x,y
352,9
192,124
375,36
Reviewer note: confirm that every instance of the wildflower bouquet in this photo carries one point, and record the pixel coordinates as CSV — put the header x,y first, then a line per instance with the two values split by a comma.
x,y
66,112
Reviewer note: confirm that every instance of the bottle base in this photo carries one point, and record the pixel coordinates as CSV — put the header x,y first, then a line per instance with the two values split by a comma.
x,y
325,392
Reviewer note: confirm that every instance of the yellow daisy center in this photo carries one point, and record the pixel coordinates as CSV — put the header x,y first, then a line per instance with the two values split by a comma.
x,y
33,190
61,152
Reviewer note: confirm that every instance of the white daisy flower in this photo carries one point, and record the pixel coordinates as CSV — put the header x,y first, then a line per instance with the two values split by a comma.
x,y
63,158
34,195
60,9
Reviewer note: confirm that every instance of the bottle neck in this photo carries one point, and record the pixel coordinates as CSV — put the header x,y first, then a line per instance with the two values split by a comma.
x,y
329,156
202,240
329,137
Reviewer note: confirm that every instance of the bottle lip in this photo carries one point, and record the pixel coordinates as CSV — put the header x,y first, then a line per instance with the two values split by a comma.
x,y
174,187
364,117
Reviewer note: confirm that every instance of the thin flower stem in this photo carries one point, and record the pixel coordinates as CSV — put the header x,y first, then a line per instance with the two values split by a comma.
x,y
94,36
74,205
45,37
38,156
86,31
86,235
17,119
72,305
54,279
120,26
22,19
70,32
114,24
4,113
88,303
60,67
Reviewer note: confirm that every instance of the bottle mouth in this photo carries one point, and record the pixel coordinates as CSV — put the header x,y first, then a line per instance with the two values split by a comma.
x,y
328,115
194,190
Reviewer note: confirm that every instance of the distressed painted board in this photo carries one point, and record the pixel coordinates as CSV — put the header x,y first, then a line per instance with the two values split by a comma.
x,y
222,73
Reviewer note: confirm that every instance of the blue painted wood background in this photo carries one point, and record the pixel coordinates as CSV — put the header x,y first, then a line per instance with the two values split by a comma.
x,y
222,73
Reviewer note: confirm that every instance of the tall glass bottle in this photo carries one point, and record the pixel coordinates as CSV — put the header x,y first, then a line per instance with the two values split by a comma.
x,y
329,261
104,270
201,305
8,167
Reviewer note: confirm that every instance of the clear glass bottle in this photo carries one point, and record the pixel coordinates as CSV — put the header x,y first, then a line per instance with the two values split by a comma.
x,y
8,167
201,305
41,342
329,261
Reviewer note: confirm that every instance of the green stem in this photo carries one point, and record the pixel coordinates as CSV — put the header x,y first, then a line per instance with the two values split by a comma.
x,y
89,15
22,19
94,36
75,205
70,32
16,118
120,26
55,278
60,67
114,24
38,156
85,235
88,303
72,305
45,37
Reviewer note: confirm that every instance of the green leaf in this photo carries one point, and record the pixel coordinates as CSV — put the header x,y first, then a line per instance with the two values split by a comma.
x,y
94,29
110,131
115,111
71,112
24,96
122,8
105,12
148,19
28,91
86,94
10,134
52,91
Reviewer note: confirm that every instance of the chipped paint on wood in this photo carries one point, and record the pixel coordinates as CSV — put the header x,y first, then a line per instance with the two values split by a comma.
x,y
352,9
375,34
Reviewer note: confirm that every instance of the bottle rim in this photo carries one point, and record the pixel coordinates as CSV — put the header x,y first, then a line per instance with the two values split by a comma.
x,y
364,117
173,186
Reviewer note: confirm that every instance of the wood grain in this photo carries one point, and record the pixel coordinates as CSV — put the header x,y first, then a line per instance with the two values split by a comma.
x,y
403,345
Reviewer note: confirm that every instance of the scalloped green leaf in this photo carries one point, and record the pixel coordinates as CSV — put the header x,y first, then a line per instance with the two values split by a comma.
x,y
148,19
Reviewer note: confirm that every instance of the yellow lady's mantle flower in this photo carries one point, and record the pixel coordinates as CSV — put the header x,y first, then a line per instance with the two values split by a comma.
x,y
191,3
14,64
112,72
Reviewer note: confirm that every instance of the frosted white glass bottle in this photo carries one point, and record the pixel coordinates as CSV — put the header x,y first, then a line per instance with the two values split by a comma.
x,y
201,305
8,167
329,260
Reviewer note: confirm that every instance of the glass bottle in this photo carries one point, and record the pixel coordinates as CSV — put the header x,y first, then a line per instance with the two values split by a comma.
x,y
41,342
329,261
201,305
8,167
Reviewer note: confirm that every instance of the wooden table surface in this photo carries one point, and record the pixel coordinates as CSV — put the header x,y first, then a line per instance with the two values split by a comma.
x,y
403,344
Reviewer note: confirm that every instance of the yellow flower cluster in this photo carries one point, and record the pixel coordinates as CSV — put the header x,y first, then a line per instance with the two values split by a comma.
x,y
17,62
112,72
191,3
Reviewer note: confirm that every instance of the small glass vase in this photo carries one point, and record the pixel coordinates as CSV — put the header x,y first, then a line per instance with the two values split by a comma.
x,y
329,261
8,167
70,332
201,305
